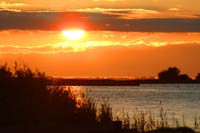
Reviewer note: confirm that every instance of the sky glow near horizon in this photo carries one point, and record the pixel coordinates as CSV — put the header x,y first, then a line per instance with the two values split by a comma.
x,y
52,42
123,38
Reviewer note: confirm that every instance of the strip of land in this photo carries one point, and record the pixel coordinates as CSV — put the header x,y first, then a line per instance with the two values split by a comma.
x,y
115,82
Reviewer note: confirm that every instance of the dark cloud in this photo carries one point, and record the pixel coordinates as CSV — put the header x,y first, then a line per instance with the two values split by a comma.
x,y
93,21
197,15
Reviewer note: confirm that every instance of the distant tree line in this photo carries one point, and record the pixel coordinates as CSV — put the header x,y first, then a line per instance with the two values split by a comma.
x,y
173,75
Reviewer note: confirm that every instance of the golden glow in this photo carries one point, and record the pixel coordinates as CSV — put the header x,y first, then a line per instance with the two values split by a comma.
x,y
74,34
99,51
77,91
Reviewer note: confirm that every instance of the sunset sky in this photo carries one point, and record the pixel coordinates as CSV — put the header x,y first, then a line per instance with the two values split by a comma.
x,y
116,38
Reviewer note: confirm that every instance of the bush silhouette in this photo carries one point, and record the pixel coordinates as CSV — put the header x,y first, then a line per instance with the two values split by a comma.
x,y
172,75
198,77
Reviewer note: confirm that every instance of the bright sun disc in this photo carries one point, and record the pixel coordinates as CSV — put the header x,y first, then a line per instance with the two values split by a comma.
x,y
73,34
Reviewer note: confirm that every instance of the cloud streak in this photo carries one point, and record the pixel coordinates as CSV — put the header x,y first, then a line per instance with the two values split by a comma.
x,y
174,9
65,47
126,13
11,6
8,5
43,49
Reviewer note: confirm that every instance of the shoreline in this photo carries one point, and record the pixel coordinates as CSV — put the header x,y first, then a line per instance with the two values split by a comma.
x,y
112,82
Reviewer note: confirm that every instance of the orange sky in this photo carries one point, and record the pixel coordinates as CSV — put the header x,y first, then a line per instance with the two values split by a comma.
x,y
123,38
102,53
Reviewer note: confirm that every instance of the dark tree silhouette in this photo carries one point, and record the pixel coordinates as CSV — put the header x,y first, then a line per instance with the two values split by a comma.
x,y
198,77
169,75
172,75
184,78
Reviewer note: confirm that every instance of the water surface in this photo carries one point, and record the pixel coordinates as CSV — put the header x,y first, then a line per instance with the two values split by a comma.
x,y
182,100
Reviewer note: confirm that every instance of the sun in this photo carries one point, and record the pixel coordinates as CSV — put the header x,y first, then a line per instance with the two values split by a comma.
x,y
73,34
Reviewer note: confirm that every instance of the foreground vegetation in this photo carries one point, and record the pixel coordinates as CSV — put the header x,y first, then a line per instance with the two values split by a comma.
x,y
29,104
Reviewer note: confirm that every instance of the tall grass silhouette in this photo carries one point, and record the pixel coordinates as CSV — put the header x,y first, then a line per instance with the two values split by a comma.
x,y
27,100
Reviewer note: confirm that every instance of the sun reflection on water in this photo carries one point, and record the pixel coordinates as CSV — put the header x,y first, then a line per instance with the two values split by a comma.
x,y
78,92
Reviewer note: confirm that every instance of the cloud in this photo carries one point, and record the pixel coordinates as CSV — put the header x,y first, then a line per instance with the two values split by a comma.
x,y
126,13
7,5
15,7
198,15
42,49
174,9
66,47
109,0
110,20
11,6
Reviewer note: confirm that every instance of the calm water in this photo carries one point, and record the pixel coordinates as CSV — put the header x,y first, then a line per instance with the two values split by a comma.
x,y
180,99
